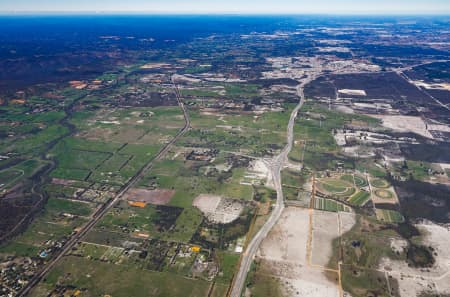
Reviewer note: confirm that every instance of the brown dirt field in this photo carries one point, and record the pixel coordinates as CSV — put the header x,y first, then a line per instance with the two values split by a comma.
x,y
157,197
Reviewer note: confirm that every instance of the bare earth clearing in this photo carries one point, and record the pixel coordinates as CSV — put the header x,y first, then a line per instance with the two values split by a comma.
x,y
284,255
325,229
157,197
218,209
405,124
413,281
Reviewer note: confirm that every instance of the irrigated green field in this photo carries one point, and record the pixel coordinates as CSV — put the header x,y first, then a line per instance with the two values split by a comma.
x,y
330,205
336,187
357,180
359,198
379,183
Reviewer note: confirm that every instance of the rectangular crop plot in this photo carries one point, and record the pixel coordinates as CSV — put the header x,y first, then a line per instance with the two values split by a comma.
x,y
360,198
91,250
89,145
389,216
185,226
330,205
59,206
81,159
70,173
115,163
157,197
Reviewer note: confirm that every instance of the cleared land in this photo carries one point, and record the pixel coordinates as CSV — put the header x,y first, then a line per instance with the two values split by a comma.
x,y
218,209
284,254
325,229
157,196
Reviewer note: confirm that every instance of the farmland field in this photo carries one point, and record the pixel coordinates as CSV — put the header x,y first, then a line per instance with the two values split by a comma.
x,y
330,205
336,187
101,279
389,216
379,183
358,180
359,198
384,194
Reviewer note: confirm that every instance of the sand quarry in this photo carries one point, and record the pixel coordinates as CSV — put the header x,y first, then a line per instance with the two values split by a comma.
x,y
218,209
436,280
298,249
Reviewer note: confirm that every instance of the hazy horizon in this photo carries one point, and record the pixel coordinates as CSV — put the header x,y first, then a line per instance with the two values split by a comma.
x,y
284,7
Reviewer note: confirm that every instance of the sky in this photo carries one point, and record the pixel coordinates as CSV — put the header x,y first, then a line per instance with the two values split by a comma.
x,y
232,6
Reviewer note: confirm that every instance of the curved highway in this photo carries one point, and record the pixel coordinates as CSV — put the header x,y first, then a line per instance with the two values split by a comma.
x,y
276,165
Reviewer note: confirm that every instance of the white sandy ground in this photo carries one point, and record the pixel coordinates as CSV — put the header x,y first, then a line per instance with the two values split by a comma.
x,y
352,92
344,109
434,86
218,209
410,124
293,166
183,78
309,282
325,229
346,222
259,171
284,250
398,244
287,240
444,166
359,151
413,281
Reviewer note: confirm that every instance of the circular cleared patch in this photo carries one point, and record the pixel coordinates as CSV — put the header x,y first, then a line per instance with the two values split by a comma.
x,y
336,187
380,183
384,194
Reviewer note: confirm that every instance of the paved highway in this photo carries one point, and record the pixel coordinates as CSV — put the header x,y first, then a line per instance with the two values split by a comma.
x,y
102,211
276,165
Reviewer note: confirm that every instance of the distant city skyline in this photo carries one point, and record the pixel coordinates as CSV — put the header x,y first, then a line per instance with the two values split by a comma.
x,y
230,6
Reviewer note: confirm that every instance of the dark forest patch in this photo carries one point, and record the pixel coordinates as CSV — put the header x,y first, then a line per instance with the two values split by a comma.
x,y
424,200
